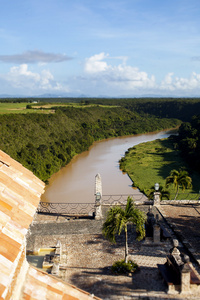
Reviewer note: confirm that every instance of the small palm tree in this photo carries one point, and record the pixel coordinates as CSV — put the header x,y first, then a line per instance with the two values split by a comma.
x,y
118,219
163,193
179,179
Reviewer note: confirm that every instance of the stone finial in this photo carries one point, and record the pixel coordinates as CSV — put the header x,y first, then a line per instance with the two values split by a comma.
x,y
58,248
175,243
174,251
186,258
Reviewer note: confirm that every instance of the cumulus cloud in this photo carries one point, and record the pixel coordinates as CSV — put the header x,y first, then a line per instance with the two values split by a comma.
x,y
32,57
125,79
22,78
95,63
122,75
180,83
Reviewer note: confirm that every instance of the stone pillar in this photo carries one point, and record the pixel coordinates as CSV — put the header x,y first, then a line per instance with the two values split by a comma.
x,y
185,276
58,250
156,198
98,184
56,266
156,233
98,195
56,260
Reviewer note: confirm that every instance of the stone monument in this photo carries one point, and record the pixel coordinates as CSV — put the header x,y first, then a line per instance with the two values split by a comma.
x,y
98,195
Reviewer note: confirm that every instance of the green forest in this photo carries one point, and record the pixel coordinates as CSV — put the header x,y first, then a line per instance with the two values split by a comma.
x,y
188,142
44,143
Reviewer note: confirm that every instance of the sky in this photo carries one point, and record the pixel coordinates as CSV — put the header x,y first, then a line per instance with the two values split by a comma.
x,y
121,48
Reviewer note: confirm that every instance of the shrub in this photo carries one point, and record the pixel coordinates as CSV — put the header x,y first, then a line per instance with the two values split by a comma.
x,y
122,268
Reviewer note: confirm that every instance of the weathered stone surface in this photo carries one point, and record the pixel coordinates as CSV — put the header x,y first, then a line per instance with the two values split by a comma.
x,y
90,256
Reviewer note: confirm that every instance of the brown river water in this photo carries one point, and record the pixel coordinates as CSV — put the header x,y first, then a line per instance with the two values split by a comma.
x,y
75,183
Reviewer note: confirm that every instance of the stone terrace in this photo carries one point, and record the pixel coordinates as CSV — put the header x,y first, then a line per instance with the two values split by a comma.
x,y
185,221
89,257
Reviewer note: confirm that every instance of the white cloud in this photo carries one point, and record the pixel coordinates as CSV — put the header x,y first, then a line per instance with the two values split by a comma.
x,y
95,63
103,75
120,76
124,79
20,77
180,83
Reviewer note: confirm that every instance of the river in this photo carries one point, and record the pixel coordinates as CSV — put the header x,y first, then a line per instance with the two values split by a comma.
x,y
75,182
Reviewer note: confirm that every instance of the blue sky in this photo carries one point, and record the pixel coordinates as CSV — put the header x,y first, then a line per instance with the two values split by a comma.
x,y
112,48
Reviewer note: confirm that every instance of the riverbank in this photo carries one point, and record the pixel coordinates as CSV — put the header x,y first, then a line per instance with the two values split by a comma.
x,y
75,182
151,162
44,143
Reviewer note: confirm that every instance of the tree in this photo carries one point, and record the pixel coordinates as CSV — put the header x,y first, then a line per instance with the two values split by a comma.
x,y
118,219
179,179
163,193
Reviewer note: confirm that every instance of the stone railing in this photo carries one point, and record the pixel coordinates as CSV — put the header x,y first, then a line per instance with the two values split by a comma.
x,y
122,199
71,209
168,202
185,199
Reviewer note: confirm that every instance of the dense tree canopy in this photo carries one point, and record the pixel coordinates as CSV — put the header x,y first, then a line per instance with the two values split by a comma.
x,y
45,142
189,142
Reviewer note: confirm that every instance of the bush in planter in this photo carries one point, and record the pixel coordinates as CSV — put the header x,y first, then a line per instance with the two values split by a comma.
x,y
120,267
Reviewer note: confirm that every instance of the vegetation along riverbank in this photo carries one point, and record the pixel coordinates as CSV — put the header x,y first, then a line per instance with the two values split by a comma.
x,y
153,161
46,142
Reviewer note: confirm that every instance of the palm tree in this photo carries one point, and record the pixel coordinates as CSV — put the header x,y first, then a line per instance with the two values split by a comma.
x,y
118,219
163,193
180,179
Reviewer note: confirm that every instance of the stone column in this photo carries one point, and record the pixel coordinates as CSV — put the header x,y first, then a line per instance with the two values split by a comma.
x,y
156,198
56,260
58,250
185,276
98,195
98,184
156,233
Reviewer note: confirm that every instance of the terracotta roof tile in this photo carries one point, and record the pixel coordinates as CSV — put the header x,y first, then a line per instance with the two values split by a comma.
x,y
20,193
51,288
9,248
67,297
2,289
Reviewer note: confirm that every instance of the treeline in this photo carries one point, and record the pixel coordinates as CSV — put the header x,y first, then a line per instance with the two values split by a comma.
x,y
188,142
45,142
40,100
180,108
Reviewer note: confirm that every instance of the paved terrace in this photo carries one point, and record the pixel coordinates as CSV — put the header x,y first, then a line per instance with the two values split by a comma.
x,y
185,222
89,255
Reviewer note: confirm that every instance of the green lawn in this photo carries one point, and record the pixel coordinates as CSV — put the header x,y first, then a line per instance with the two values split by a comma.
x,y
14,108
19,108
151,162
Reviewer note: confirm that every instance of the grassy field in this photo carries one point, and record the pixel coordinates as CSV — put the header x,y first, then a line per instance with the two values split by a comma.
x,y
152,162
14,108
7,108
20,108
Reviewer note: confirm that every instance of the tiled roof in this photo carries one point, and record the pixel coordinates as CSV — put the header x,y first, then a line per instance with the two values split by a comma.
x,y
40,285
20,193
